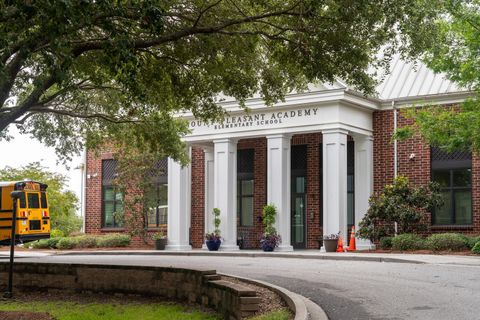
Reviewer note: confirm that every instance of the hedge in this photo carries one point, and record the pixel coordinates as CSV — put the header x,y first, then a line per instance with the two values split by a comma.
x,y
407,241
447,241
476,248
83,241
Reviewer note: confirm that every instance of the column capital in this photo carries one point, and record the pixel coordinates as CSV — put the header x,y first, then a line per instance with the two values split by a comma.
x,y
335,130
279,136
225,140
361,137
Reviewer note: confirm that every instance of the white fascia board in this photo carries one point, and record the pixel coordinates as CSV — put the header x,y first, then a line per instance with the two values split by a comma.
x,y
435,99
300,99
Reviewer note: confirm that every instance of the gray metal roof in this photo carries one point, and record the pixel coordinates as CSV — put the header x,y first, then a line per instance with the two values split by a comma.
x,y
407,79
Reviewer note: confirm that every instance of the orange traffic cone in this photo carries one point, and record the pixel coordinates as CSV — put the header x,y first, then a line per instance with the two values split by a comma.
x,y
340,245
352,246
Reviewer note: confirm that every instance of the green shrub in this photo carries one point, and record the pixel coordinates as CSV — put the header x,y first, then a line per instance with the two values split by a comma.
x,y
56,233
86,241
472,240
386,243
400,204
113,240
39,244
67,243
407,241
476,248
447,241
52,242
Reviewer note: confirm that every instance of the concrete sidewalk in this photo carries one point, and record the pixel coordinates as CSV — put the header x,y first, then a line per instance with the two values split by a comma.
x,y
299,254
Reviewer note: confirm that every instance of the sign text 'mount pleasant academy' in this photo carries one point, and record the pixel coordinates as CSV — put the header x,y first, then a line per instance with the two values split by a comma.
x,y
256,119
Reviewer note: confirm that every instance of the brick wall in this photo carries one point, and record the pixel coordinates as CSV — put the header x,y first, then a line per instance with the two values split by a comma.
x,y
418,169
93,210
198,198
314,205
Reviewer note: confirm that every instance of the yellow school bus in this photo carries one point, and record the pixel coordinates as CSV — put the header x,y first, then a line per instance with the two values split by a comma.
x,y
33,216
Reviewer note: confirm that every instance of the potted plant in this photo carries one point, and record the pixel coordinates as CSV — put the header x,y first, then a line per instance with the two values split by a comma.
x,y
270,239
160,239
213,239
330,242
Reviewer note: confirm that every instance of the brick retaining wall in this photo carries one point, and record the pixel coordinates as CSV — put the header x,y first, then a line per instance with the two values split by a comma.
x,y
204,287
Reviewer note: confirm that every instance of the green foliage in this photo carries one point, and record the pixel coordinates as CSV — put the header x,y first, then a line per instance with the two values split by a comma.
x,y
62,203
269,213
407,241
67,243
56,233
282,314
82,241
40,244
472,240
72,310
52,242
386,242
401,203
123,69
114,240
446,241
216,221
454,52
159,235
86,241
476,248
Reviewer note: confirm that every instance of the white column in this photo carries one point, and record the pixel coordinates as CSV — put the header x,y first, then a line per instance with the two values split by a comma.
x,y
179,200
225,188
209,191
334,143
278,185
363,182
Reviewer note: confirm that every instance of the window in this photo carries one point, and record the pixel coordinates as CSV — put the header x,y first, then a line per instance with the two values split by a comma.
x,y
156,196
43,200
452,171
350,184
112,198
33,201
245,186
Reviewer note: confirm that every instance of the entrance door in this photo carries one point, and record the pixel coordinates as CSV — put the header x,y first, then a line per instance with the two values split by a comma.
x,y
299,207
298,196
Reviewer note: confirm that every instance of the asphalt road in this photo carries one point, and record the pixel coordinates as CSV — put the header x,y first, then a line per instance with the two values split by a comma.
x,y
344,289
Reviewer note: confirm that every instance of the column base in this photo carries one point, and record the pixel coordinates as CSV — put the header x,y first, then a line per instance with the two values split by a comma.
x,y
284,248
364,244
228,247
178,247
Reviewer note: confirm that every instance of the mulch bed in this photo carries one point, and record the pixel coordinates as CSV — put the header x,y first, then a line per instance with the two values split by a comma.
x,y
21,315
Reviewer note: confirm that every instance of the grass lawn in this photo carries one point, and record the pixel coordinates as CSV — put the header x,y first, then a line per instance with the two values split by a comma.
x,y
111,311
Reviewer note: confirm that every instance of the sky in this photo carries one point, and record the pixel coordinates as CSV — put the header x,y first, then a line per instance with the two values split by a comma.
x,y
23,150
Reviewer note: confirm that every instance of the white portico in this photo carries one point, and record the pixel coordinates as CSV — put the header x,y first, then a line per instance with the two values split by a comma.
x,y
339,115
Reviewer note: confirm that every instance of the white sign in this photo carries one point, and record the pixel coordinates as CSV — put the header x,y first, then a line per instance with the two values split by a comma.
x,y
263,120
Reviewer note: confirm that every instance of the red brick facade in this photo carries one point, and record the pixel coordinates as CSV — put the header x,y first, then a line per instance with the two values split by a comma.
x,y
416,169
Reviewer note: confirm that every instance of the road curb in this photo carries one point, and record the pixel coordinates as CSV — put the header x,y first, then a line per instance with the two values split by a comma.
x,y
340,257
296,303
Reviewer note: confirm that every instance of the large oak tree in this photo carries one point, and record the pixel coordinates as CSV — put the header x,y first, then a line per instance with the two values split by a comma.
x,y
77,69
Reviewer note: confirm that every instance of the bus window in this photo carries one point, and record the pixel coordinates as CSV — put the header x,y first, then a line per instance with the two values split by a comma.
x,y
43,200
23,203
33,202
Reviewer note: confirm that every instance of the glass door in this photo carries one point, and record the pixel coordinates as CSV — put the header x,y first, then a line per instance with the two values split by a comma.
x,y
298,196
298,206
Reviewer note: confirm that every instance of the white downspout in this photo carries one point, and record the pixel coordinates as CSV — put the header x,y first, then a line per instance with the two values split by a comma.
x,y
84,188
395,149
